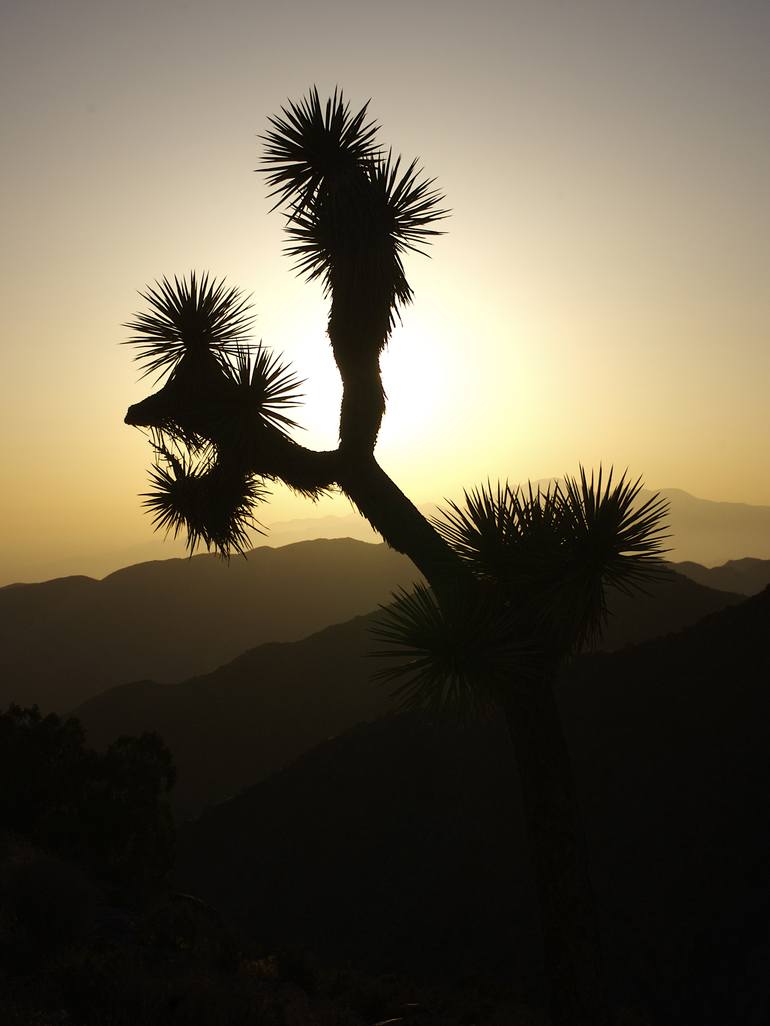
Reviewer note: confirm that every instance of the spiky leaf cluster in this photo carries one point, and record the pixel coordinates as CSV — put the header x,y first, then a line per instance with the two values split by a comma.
x,y
352,213
611,532
189,316
509,536
544,560
266,387
313,144
207,418
209,501
558,550
455,654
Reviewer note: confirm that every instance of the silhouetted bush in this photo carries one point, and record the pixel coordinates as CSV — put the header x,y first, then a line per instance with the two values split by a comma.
x,y
106,812
46,904
183,926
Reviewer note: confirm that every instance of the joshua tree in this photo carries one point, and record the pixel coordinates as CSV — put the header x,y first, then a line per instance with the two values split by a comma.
x,y
515,580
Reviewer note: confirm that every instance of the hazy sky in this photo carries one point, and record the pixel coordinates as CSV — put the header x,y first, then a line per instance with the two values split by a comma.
x,y
603,292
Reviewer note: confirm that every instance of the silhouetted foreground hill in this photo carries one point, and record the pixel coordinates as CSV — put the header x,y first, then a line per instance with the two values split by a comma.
x,y
230,728
65,640
400,843
745,576
665,607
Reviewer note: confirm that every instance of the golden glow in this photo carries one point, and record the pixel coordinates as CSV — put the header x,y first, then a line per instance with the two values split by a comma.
x,y
418,381
602,292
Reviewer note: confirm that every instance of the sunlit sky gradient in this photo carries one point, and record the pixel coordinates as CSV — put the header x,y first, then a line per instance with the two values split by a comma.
x,y
603,292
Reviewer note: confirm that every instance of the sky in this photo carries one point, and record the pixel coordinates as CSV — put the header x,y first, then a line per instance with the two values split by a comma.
x,y
602,292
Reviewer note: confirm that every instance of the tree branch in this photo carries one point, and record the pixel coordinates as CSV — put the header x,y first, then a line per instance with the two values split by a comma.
x,y
268,452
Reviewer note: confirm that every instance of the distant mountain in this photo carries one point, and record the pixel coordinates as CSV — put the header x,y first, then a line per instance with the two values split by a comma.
x,y
351,525
744,576
714,532
701,530
80,562
65,640
400,843
232,727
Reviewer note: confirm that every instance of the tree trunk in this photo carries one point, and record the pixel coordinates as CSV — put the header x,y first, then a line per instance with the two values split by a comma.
x,y
571,949
400,523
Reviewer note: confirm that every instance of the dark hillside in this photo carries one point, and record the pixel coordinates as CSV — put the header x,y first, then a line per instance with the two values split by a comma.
x,y
394,844
63,641
667,606
234,726
230,728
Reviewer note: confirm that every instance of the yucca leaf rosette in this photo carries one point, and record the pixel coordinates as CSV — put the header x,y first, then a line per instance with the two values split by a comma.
x,y
222,395
208,501
542,561
351,212
455,653
189,316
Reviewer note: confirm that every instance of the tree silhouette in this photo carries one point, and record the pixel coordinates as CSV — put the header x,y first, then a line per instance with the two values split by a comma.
x,y
516,581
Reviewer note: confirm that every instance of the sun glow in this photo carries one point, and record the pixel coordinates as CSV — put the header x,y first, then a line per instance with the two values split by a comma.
x,y
416,385
415,376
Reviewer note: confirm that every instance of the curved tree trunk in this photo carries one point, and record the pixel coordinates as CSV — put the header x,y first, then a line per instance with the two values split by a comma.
x,y
571,948
397,519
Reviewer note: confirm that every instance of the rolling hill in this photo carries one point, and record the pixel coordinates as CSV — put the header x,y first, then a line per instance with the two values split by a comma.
x,y
231,727
236,725
65,640
745,576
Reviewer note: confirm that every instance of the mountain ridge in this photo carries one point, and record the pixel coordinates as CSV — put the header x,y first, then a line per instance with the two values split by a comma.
x,y
65,640
704,530
235,724
748,575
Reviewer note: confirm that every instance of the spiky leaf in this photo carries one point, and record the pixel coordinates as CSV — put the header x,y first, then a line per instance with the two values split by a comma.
x,y
267,387
315,144
507,535
412,203
456,654
210,502
611,540
542,560
352,214
556,551
189,316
